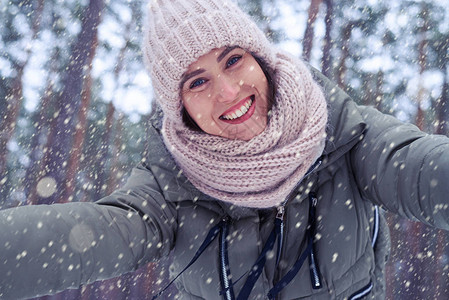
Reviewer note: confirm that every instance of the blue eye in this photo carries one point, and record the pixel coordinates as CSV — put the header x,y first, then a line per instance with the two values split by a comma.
x,y
197,83
233,60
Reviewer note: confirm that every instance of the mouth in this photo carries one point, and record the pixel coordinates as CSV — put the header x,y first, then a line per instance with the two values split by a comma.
x,y
240,112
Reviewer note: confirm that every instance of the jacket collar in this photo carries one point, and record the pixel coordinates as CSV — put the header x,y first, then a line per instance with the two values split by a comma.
x,y
345,122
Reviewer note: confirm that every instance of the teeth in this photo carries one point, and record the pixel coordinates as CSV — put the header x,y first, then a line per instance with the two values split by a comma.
x,y
239,112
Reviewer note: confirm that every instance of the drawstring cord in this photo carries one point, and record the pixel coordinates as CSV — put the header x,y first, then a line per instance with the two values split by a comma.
x,y
258,266
213,233
226,283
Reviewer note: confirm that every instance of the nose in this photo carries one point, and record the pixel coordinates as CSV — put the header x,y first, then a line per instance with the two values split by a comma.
x,y
227,88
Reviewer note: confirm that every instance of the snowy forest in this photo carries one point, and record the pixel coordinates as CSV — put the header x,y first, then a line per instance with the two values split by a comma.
x,y
75,99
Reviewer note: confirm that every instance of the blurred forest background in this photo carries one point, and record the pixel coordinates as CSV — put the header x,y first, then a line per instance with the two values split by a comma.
x,y
75,100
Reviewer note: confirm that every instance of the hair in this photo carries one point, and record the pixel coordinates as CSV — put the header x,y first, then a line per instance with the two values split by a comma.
x,y
269,74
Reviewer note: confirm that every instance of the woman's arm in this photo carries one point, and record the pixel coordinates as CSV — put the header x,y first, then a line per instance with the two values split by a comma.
x,y
396,165
403,169
48,248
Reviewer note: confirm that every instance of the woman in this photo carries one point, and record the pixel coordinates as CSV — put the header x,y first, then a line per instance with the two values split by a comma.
x,y
262,180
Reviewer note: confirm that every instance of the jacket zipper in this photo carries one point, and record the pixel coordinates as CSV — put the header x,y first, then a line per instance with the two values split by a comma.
x,y
316,282
280,215
226,283
313,269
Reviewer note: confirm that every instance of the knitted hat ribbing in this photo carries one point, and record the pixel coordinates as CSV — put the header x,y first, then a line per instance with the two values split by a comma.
x,y
178,32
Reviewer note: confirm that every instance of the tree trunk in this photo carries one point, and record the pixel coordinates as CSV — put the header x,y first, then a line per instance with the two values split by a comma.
x,y
116,169
100,186
78,140
61,134
8,124
310,28
327,47
422,60
442,110
442,103
341,70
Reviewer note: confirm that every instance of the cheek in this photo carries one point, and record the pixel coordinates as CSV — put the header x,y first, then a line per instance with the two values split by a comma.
x,y
197,107
254,70
190,101
261,75
186,102
256,75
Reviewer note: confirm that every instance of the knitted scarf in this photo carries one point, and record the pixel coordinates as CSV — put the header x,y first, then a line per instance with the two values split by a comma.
x,y
263,171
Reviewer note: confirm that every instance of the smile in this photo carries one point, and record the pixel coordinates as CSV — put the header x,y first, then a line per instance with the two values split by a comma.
x,y
240,112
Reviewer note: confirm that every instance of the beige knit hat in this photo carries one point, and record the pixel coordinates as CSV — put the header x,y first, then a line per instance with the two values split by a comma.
x,y
178,32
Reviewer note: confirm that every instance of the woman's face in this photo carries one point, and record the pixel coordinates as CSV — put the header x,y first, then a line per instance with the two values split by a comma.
x,y
225,92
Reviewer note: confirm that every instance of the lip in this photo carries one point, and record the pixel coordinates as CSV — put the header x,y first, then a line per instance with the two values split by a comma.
x,y
244,117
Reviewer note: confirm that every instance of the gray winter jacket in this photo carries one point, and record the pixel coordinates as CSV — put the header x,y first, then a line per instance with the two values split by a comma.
x,y
369,159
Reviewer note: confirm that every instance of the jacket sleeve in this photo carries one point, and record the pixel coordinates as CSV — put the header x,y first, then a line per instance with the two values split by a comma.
x,y
48,248
403,169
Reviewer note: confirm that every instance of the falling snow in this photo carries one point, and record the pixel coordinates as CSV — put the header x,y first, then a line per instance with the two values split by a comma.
x,y
383,68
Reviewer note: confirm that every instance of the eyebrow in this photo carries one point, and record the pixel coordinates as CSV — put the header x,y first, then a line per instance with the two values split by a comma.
x,y
190,75
225,52
199,71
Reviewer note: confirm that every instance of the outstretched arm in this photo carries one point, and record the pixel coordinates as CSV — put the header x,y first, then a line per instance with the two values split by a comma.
x,y
48,248
403,169
398,166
